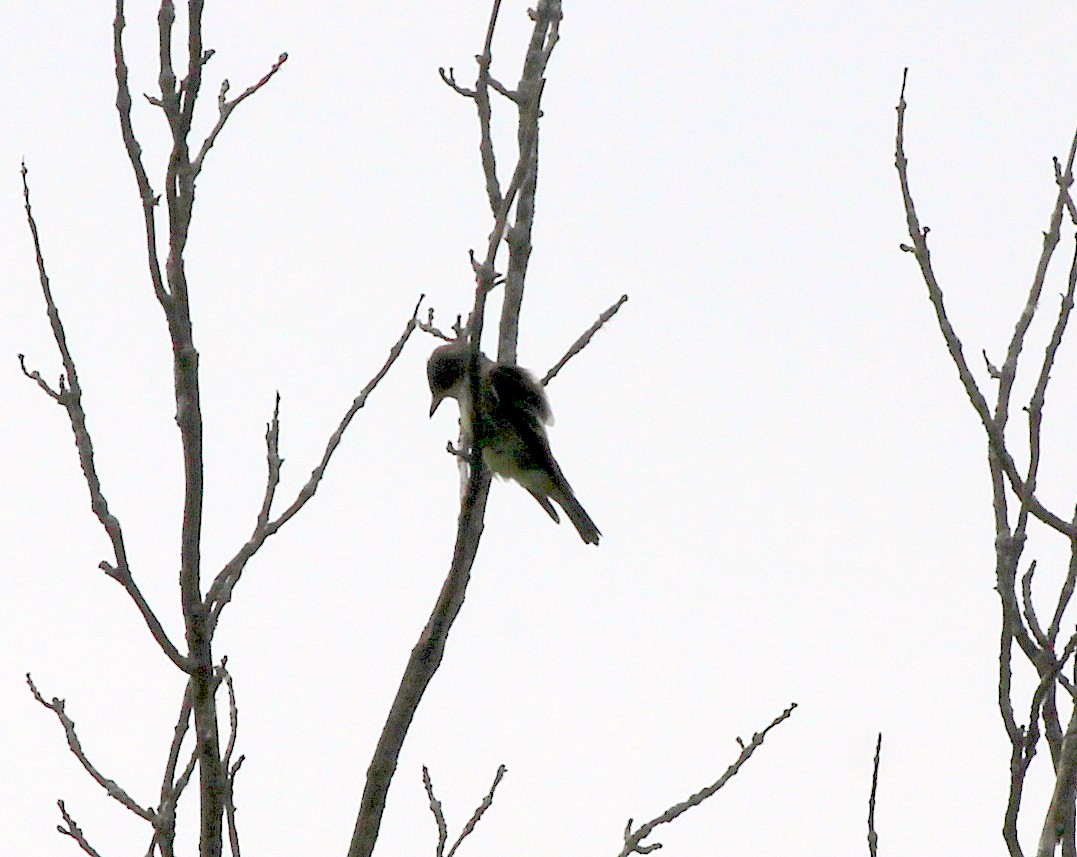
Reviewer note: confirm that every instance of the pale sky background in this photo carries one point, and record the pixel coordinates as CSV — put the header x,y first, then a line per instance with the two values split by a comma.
x,y
789,479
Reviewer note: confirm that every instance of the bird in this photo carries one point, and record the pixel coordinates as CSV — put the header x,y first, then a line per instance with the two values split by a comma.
x,y
508,427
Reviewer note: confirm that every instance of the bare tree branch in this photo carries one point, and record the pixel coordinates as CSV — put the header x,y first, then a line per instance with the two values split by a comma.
x,y
1066,593
634,839
220,593
232,768
225,107
994,424
171,787
873,837
581,343
527,97
69,395
428,652
439,814
177,102
1029,609
111,787
487,802
134,152
1020,624
70,828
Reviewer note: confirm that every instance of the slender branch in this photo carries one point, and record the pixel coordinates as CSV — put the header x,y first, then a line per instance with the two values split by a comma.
x,y
873,837
439,814
481,94
449,77
148,198
487,802
582,342
70,828
424,661
994,426
231,767
69,395
527,97
110,786
1066,592
1029,609
428,652
1024,321
220,593
171,787
230,807
226,107
633,840
919,248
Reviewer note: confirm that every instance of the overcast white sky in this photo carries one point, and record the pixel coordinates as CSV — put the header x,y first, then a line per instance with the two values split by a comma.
x,y
789,479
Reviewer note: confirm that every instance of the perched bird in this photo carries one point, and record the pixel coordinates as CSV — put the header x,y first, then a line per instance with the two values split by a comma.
x,y
508,426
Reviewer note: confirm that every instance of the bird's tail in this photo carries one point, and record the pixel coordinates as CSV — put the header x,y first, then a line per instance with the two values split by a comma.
x,y
566,499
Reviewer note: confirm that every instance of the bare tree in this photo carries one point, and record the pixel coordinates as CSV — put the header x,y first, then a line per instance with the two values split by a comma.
x,y
201,606
1052,716
204,594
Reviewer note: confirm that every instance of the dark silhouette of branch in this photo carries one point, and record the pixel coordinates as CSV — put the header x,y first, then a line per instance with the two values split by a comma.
x,y
68,394
70,828
112,788
527,97
220,593
1020,624
994,424
581,343
231,768
177,101
873,837
225,108
171,786
633,839
428,652
439,815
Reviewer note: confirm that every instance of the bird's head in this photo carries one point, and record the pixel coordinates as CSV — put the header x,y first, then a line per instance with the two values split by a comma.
x,y
446,372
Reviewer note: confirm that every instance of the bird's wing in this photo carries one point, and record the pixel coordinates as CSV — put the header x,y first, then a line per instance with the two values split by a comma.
x,y
515,387
518,406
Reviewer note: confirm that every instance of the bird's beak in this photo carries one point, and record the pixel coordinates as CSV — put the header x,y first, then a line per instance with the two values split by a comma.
x,y
438,397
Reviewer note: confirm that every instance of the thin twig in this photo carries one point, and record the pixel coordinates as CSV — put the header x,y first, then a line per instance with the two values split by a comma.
x,y
487,802
581,343
171,788
634,839
1029,609
1066,592
225,108
230,807
146,195
69,394
438,812
74,831
110,786
993,424
873,837
220,593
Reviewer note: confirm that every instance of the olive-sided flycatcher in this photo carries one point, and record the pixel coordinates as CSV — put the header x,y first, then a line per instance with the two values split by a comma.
x,y
508,427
